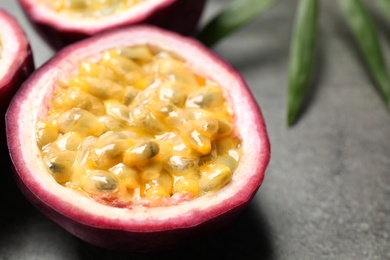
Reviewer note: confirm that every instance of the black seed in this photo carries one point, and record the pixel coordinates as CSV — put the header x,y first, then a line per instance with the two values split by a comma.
x,y
56,168
108,184
184,165
153,148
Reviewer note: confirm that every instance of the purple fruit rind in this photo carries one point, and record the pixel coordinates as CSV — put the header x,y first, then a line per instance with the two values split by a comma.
x,y
181,16
21,67
153,233
137,241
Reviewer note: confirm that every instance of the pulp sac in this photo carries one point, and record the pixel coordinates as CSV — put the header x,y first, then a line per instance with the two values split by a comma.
x,y
136,126
90,8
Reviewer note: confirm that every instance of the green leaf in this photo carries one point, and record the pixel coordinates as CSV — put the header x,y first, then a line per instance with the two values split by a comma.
x,y
367,38
236,14
384,5
302,54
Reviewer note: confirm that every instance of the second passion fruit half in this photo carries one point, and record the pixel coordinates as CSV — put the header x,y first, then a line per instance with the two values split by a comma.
x,y
16,64
137,139
66,21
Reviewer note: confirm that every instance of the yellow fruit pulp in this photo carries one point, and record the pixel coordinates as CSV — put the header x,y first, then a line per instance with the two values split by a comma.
x,y
88,8
138,124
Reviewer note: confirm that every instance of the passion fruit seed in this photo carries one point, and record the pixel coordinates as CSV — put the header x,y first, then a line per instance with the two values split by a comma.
x,y
150,171
110,154
179,165
187,185
194,139
161,187
141,153
138,124
100,182
206,126
206,97
80,120
95,70
215,178
127,175
173,94
60,165
144,118
101,88
118,110
110,123
70,141
46,132
75,97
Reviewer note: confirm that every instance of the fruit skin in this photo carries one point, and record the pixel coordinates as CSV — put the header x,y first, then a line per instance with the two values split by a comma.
x,y
140,241
21,67
181,16
139,229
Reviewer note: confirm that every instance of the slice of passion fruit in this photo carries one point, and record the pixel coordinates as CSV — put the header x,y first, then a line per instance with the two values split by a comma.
x,y
66,21
137,139
16,64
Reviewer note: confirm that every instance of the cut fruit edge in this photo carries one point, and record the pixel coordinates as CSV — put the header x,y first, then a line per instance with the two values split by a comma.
x,y
45,15
31,102
15,50
16,64
58,30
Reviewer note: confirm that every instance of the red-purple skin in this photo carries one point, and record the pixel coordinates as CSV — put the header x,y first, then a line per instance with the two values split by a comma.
x,y
146,241
181,16
22,66
150,235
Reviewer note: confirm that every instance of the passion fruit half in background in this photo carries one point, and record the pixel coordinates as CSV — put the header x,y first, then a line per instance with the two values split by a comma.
x,y
138,139
64,21
16,64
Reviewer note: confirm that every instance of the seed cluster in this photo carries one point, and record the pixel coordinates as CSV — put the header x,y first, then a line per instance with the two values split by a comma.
x,y
138,125
91,8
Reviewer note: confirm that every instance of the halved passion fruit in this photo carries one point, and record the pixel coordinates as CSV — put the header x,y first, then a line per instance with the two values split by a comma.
x,y
16,64
137,139
66,21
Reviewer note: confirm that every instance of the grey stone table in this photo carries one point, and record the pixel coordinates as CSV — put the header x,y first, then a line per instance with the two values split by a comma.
x,y
326,194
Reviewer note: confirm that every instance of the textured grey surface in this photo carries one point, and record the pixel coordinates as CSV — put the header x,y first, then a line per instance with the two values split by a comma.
x,y
326,194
